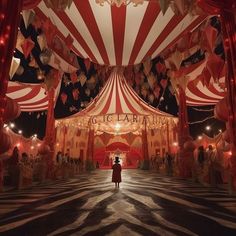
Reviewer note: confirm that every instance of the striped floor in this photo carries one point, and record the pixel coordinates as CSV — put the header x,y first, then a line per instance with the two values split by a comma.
x,y
146,204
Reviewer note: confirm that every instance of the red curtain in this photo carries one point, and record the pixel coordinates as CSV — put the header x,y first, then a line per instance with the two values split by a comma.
x,y
9,21
227,12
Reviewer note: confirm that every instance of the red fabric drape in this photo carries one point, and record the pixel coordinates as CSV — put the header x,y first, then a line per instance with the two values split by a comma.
x,y
227,12
9,21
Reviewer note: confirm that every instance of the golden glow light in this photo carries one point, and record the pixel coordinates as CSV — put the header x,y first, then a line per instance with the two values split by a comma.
x,y
208,127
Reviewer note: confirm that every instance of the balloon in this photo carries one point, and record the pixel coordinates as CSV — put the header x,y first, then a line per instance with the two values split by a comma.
x,y
189,146
215,65
44,149
221,110
12,110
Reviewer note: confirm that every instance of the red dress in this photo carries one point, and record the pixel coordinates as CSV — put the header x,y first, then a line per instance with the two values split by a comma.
x,y
116,174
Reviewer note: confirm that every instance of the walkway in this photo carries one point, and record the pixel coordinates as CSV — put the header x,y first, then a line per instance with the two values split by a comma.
x,y
146,204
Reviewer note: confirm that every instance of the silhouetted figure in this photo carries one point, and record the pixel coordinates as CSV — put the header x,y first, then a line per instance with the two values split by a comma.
x,y
116,174
201,156
97,165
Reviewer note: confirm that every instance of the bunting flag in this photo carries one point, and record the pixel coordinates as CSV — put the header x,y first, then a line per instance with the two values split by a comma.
x,y
27,47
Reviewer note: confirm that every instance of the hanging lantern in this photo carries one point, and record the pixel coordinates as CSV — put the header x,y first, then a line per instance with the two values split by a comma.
x,y
5,143
12,110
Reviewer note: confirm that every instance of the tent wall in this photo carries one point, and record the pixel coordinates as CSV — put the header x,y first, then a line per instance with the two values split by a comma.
x,y
74,139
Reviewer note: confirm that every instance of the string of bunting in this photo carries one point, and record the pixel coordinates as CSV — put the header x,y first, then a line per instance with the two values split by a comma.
x,y
201,121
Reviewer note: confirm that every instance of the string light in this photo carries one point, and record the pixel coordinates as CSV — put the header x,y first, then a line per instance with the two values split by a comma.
x,y
12,125
19,131
208,127
199,137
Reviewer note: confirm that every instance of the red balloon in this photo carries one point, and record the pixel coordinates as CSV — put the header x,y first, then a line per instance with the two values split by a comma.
x,y
5,143
44,149
12,110
189,146
221,110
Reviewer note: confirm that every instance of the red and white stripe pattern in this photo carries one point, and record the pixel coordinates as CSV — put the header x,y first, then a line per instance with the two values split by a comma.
x,y
30,97
119,36
200,95
117,97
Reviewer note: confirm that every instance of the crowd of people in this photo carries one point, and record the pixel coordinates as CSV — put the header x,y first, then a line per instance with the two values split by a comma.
x,y
21,169
207,165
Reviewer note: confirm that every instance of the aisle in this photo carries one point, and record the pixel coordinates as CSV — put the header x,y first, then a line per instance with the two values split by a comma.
x,y
146,204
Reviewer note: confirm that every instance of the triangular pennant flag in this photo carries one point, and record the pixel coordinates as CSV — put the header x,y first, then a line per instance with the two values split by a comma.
x,y
176,59
181,6
20,40
147,66
207,76
74,78
87,63
41,39
27,47
211,35
82,79
28,17
64,98
215,65
69,41
164,4
15,62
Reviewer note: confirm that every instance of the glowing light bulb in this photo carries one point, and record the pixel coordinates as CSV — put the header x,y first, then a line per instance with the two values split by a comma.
x,y
12,125
199,137
208,127
20,132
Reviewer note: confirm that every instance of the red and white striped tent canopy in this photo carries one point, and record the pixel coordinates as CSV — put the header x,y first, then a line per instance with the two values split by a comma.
x,y
123,35
30,97
117,108
200,95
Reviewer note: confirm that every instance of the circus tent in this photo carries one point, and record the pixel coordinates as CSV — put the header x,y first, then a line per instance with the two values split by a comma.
x,y
117,108
116,111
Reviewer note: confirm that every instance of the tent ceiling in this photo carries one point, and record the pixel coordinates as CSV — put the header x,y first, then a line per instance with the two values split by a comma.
x,y
199,95
30,97
119,36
